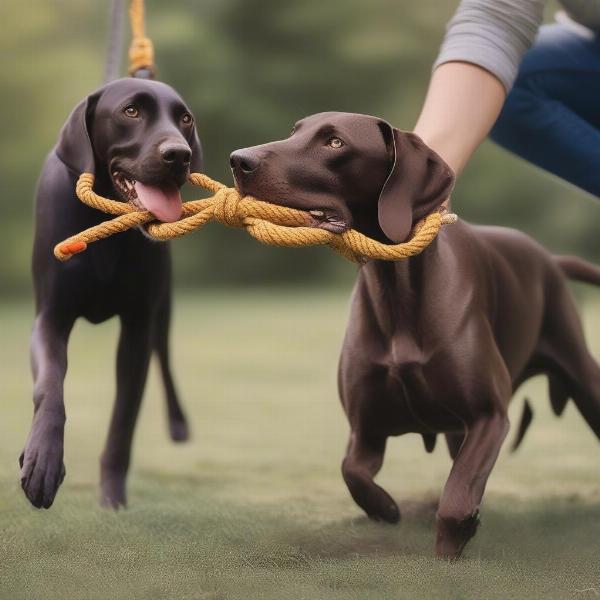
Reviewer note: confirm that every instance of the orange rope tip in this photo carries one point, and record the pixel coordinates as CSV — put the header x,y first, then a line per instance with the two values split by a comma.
x,y
72,248
268,223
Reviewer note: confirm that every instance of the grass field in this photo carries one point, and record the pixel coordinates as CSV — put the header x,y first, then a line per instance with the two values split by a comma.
x,y
254,506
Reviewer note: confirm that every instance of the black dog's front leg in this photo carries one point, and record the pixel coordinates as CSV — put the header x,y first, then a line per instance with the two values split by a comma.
x,y
42,468
133,358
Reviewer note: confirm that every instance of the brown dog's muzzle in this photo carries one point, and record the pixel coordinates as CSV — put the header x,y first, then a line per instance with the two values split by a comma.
x,y
243,162
245,166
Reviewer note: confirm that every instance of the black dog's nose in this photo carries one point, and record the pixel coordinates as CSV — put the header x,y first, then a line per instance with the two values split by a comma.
x,y
175,153
244,161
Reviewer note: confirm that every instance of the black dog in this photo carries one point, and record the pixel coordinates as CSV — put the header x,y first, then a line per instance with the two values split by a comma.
x,y
139,139
437,343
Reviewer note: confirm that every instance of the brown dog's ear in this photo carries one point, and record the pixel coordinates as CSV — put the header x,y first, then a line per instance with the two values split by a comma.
x,y
74,146
418,182
197,162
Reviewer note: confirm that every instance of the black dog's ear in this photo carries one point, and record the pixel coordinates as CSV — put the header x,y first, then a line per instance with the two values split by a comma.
x,y
74,146
418,182
197,163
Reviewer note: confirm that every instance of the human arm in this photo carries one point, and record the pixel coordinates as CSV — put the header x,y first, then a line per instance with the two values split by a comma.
x,y
462,104
475,69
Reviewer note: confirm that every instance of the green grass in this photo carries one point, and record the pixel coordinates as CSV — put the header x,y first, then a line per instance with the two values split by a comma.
x,y
254,506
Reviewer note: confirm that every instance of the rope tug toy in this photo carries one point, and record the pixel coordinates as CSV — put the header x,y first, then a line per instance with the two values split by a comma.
x,y
268,223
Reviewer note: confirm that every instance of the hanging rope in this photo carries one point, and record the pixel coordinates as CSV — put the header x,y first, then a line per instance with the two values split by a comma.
x,y
268,223
115,43
141,50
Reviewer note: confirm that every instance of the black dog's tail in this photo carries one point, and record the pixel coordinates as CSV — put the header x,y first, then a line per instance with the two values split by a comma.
x,y
578,269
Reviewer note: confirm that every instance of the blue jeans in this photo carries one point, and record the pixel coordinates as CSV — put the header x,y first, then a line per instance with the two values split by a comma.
x,y
552,114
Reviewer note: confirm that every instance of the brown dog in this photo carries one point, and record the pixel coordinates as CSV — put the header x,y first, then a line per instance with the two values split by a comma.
x,y
437,343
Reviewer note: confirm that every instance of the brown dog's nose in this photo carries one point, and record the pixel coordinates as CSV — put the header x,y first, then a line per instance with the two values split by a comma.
x,y
175,153
244,161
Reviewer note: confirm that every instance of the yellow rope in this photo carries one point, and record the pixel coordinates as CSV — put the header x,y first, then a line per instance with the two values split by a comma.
x,y
141,50
268,223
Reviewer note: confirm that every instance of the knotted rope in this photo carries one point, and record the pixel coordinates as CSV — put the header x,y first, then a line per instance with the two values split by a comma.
x,y
268,223
141,50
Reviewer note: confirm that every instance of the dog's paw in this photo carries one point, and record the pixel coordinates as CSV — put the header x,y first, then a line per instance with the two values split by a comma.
x,y
179,430
383,508
42,471
112,491
374,500
453,535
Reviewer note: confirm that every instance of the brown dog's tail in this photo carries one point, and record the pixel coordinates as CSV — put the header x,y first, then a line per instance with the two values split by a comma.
x,y
578,269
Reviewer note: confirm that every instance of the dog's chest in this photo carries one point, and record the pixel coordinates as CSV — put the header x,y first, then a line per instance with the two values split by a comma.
x,y
418,399
113,276
105,260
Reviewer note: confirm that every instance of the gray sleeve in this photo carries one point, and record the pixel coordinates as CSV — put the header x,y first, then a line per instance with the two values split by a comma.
x,y
493,34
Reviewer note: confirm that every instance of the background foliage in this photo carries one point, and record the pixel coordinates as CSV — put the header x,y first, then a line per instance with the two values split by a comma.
x,y
249,69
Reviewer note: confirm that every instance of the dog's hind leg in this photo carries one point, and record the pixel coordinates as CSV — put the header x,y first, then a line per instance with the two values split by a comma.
x,y
584,387
178,427
363,461
42,468
575,372
133,357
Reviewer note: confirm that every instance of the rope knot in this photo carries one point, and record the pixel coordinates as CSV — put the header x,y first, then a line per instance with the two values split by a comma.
x,y
226,207
141,50
141,54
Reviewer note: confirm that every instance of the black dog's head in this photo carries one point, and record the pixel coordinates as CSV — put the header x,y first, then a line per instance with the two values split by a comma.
x,y
141,136
348,170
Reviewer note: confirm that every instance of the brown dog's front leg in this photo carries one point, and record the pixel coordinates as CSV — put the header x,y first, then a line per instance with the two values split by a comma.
x,y
362,462
458,512
133,358
42,467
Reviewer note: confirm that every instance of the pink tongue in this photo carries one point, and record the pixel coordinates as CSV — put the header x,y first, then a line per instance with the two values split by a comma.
x,y
164,201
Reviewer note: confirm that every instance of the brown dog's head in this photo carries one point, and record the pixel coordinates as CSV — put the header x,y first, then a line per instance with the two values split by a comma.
x,y
348,170
140,136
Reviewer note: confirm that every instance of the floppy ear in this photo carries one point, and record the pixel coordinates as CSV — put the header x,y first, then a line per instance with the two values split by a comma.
x,y
418,182
197,162
74,146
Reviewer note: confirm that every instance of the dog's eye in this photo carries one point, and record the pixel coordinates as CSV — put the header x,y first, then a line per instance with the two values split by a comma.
x,y
187,119
293,131
335,142
131,111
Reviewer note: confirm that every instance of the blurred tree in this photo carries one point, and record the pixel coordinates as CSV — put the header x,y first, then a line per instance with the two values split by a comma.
x,y
250,69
